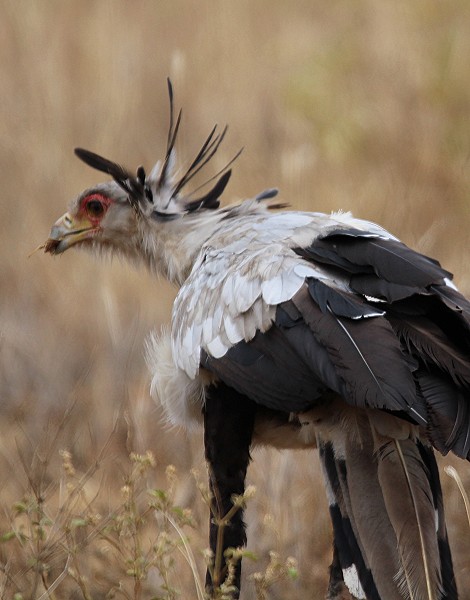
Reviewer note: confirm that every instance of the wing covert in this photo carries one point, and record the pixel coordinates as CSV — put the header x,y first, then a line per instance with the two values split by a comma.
x,y
230,296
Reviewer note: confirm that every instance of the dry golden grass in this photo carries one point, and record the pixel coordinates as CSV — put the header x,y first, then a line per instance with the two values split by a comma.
x,y
355,105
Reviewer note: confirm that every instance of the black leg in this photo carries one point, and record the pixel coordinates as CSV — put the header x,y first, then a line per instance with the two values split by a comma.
x,y
228,429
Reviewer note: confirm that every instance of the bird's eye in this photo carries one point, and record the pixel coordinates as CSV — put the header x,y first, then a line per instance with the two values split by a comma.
x,y
94,208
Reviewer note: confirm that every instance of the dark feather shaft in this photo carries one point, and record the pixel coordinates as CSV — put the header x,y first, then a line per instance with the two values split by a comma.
x,y
224,168
204,155
169,151
172,115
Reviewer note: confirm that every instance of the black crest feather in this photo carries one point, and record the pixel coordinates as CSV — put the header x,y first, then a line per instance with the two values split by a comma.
x,y
121,176
139,188
117,172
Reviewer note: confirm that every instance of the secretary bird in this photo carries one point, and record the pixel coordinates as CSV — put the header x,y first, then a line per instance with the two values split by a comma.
x,y
299,329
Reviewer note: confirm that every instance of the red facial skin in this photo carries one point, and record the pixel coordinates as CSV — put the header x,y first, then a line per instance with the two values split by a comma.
x,y
94,207
70,230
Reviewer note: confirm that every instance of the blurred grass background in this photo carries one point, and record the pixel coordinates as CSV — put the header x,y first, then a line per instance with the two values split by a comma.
x,y
362,106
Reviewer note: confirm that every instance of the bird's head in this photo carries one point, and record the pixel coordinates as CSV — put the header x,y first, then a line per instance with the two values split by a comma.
x,y
100,216
132,213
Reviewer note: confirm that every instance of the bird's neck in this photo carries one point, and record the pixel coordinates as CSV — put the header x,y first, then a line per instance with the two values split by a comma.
x,y
170,248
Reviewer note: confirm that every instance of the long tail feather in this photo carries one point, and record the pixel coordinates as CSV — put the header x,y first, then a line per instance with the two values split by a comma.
x,y
350,555
409,502
430,587
386,505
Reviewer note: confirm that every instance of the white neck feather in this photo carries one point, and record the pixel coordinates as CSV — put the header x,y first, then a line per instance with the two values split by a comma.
x,y
170,248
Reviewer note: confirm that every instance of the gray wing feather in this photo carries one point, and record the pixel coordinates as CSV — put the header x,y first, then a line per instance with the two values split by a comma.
x,y
241,275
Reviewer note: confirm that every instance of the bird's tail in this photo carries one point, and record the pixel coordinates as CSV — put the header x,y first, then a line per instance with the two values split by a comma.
x,y
386,506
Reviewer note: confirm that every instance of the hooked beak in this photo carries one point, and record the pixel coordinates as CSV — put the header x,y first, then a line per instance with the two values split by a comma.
x,y
67,232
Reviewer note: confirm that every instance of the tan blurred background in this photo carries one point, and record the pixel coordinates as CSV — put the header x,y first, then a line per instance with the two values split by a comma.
x,y
361,106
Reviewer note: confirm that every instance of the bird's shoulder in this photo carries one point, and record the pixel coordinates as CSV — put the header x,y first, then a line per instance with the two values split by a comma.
x,y
250,265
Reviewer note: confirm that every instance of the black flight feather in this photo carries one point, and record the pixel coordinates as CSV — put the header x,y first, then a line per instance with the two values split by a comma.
x,y
341,303
452,298
307,352
325,255
366,354
457,304
426,341
270,371
448,412
313,353
389,259
439,306
371,285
